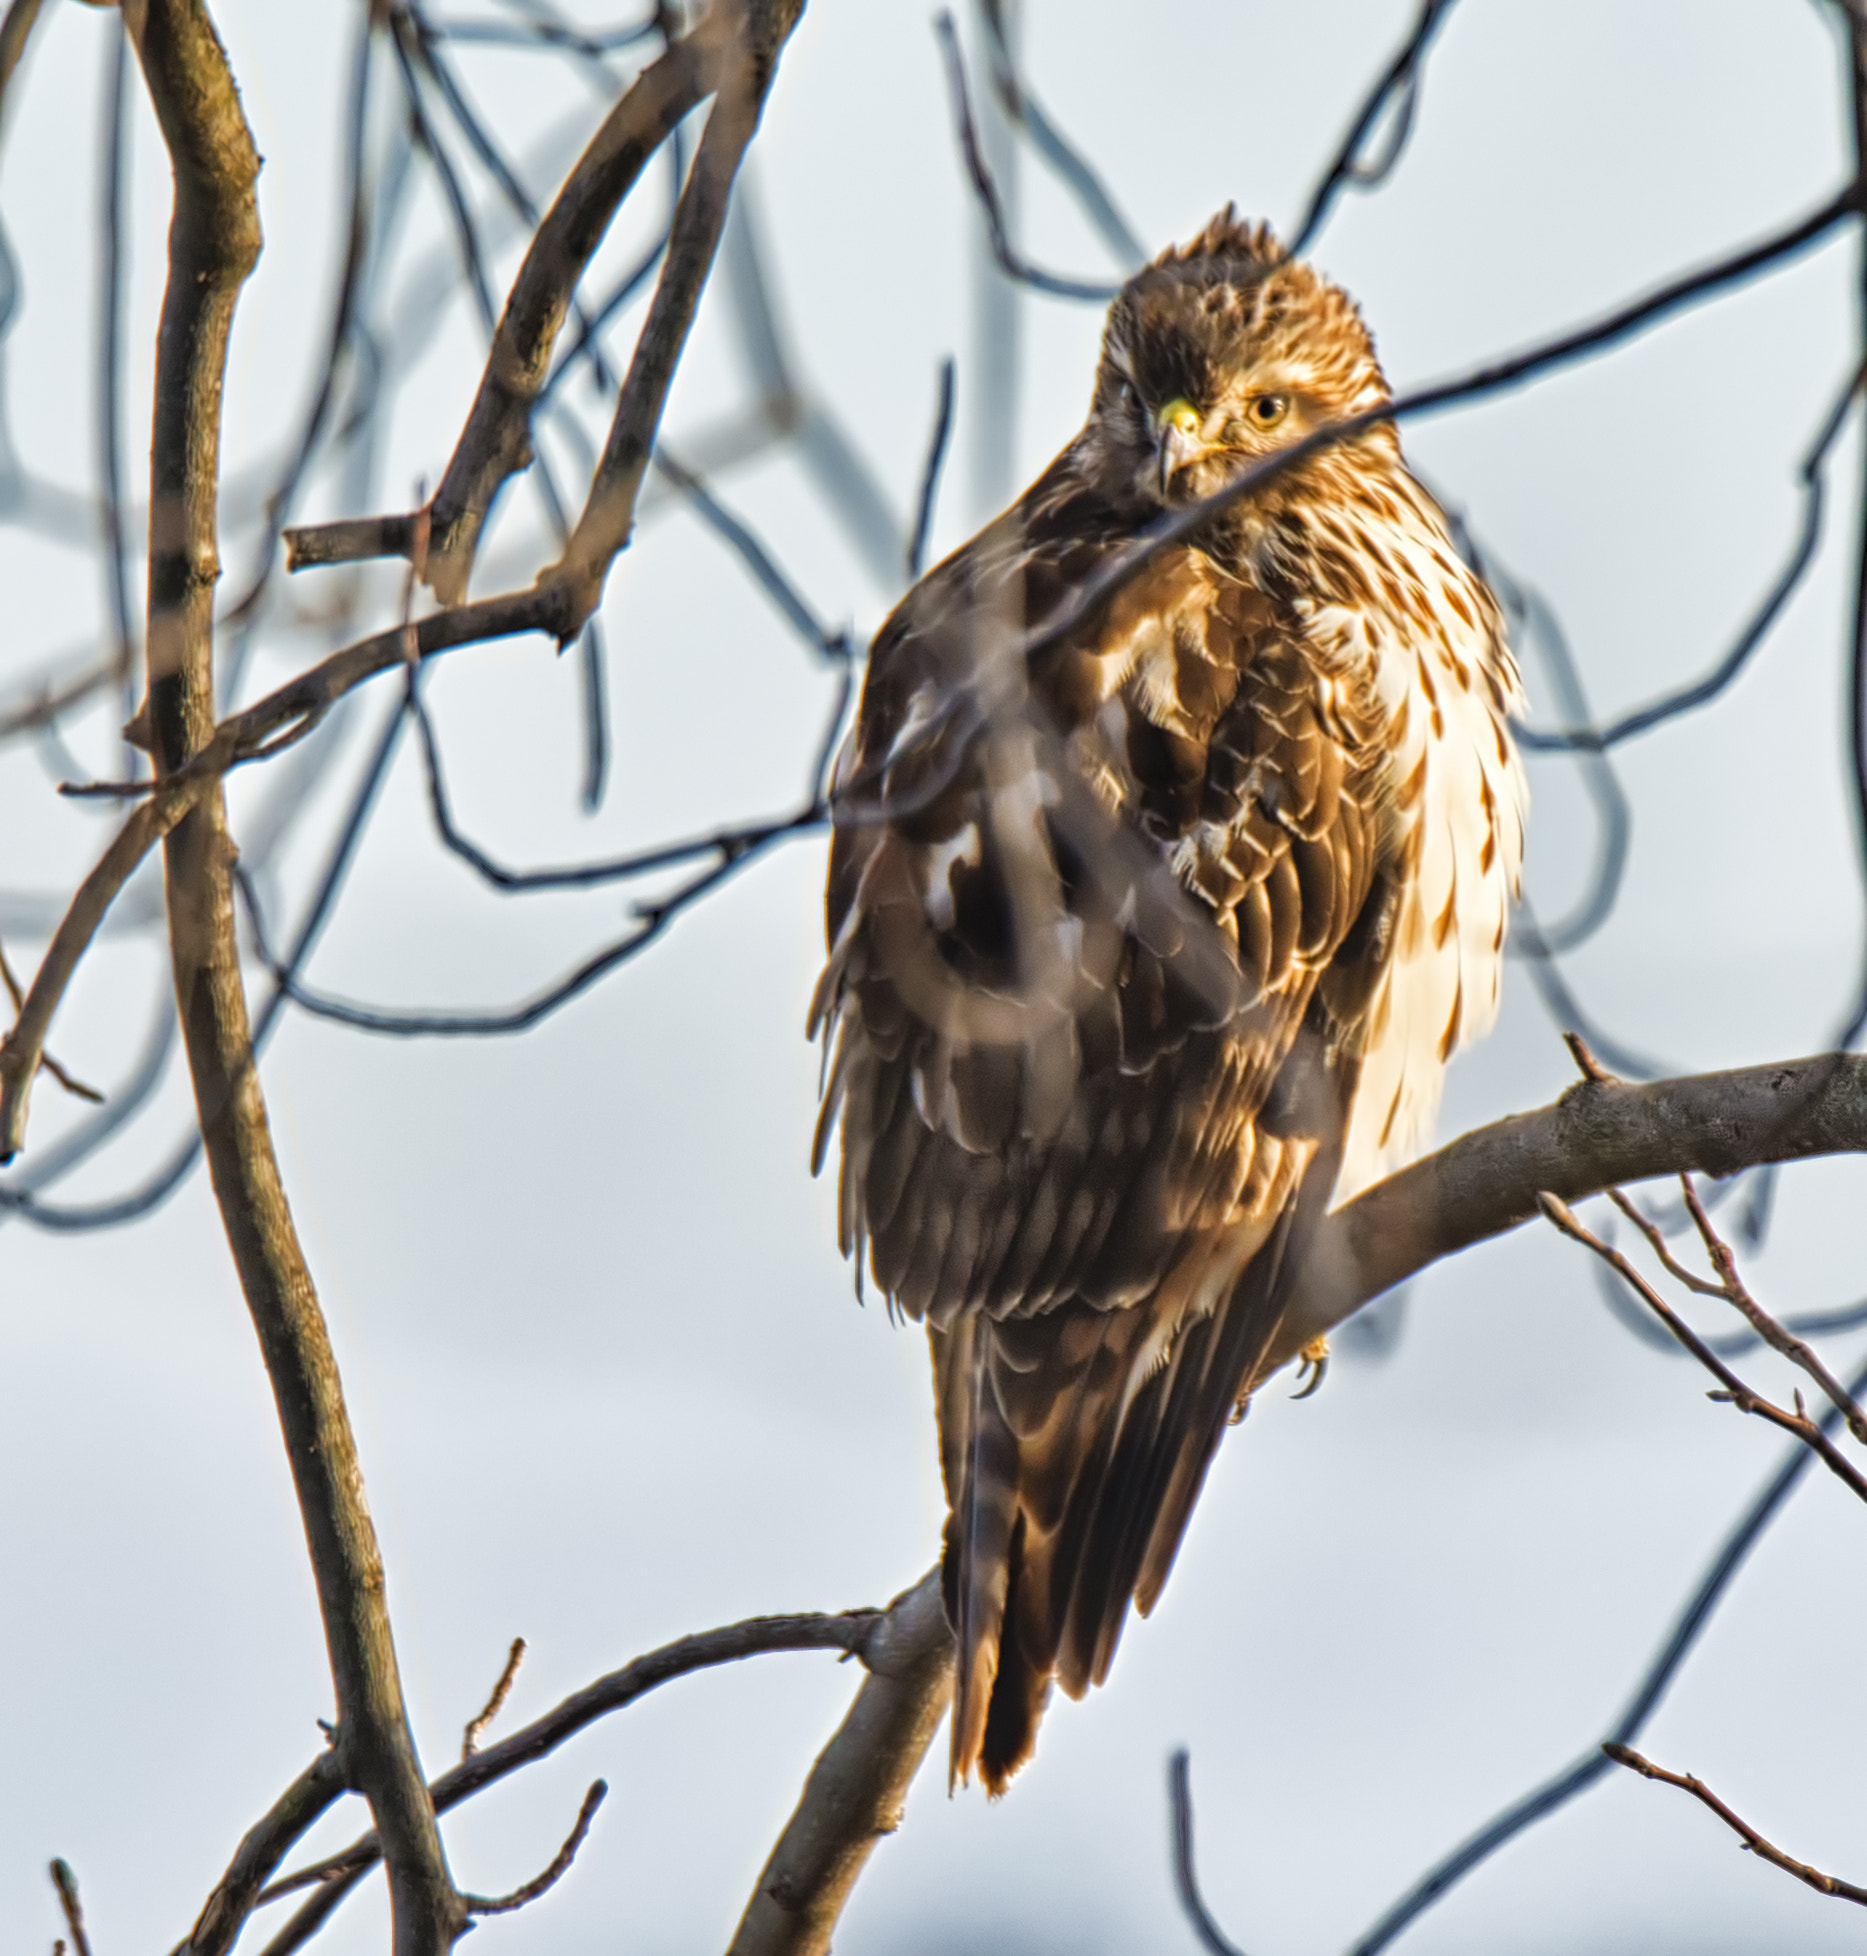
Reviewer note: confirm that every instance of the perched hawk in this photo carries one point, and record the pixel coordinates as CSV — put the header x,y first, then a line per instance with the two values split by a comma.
x,y
1148,944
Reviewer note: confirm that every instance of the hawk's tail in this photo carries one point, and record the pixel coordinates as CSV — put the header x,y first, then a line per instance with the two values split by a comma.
x,y
1074,1449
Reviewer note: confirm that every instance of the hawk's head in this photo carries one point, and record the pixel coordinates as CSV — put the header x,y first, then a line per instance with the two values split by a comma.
x,y
1216,354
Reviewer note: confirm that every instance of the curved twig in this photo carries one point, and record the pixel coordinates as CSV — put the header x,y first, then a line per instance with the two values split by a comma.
x,y
552,1875
1011,261
1823,1884
1212,1938
334,1877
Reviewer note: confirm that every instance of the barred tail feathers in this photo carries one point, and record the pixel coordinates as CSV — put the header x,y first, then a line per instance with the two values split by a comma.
x,y
1074,1448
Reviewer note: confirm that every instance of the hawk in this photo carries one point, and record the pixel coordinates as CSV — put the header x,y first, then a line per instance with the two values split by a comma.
x,y
1151,937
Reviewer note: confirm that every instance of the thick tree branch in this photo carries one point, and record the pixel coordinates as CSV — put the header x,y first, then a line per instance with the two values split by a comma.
x,y
856,1790
214,242
1598,1134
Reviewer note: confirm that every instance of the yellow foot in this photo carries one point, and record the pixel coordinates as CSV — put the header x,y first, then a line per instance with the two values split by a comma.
x,y
1314,1365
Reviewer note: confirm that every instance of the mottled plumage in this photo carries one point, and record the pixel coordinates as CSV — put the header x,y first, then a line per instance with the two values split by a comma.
x,y
1146,948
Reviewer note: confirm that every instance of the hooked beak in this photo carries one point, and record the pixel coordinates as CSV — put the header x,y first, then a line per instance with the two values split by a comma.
x,y
1179,439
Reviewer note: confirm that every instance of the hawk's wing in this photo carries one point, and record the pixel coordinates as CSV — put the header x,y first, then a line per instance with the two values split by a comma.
x,y
1103,933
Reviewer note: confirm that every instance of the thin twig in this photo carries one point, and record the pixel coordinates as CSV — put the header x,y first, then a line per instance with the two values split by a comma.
x,y
930,472
1073,169
1185,1874
1011,261
1401,77
67,1885
1732,1388
560,1863
495,440
336,1875
72,1086
784,594
22,1051
1756,630
603,529
1553,1794
1774,1334
1586,1063
478,1725
1656,1241
1824,1884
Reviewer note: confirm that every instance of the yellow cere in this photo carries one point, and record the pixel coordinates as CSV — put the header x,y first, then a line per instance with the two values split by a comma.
x,y
1179,413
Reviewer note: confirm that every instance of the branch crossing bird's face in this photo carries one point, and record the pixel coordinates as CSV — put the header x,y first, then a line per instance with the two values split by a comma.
x,y
1219,353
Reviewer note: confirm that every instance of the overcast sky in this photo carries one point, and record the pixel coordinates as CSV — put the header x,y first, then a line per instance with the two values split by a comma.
x,y
608,1375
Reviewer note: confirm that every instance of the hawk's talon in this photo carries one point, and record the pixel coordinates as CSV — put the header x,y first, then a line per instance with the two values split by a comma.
x,y
1314,1367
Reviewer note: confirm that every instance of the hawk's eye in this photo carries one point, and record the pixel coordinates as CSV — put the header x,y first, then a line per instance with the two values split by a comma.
x,y
1269,409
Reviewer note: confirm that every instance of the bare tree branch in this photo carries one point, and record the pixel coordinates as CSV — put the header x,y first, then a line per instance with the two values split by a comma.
x,y
1681,700
1011,260
17,998
930,473
553,1874
22,1051
67,1885
334,1877
214,242
481,1722
1597,1134
1824,1884
265,1845
1733,1389
763,26
1777,1336
856,1789
495,442
1554,1794
1400,79
1205,1925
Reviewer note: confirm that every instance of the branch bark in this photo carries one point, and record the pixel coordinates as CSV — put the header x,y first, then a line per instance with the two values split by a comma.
x,y
214,242
856,1790
1597,1135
